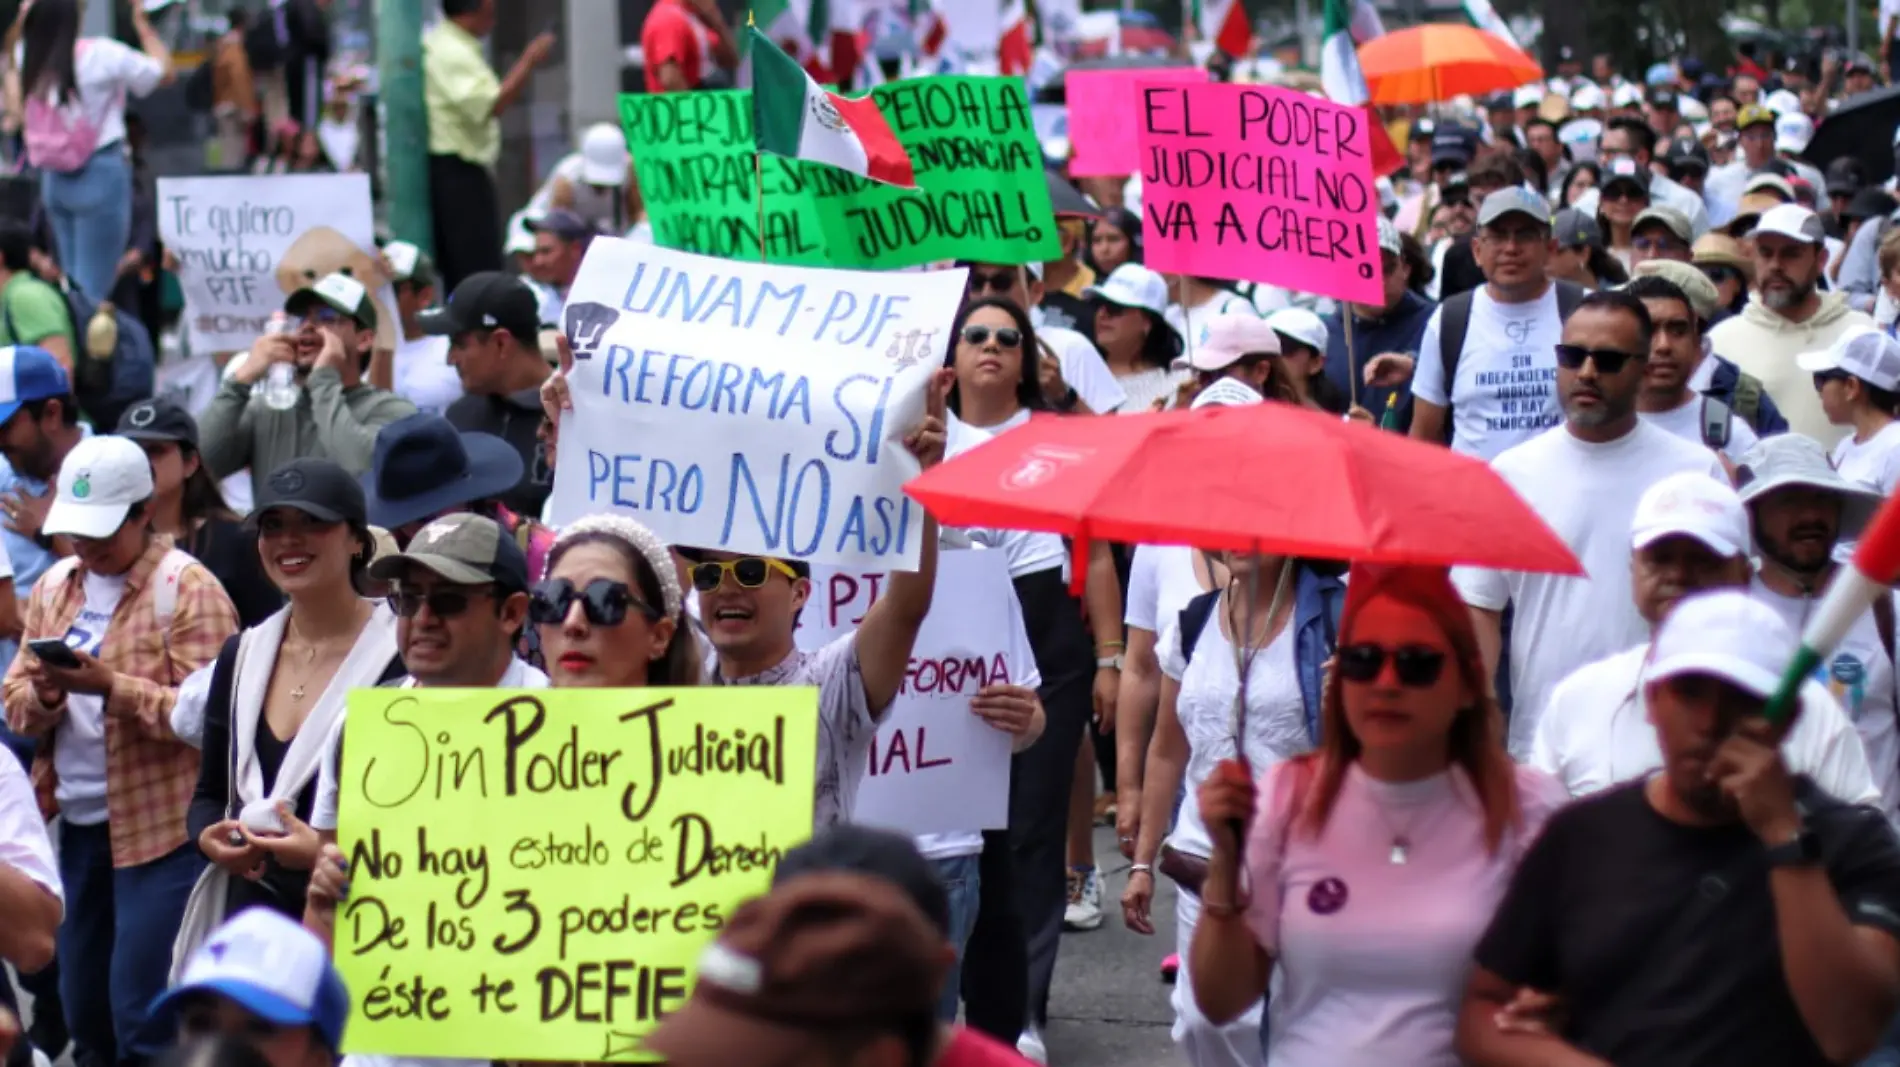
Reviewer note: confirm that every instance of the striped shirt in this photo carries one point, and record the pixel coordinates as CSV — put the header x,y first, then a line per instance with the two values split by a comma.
x,y
150,773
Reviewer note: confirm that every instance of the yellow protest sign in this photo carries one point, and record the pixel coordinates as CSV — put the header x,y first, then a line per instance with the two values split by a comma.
x,y
533,873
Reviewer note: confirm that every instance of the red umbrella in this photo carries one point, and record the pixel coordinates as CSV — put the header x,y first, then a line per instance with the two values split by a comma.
x,y
1265,478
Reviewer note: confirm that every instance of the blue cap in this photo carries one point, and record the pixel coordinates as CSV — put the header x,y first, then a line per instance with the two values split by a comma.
x,y
29,372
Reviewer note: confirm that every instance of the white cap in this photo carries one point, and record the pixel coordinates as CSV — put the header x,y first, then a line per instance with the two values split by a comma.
x,y
1301,325
1793,132
604,156
1791,221
1389,238
1132,285
1587,97
1627,95
1692,504
1226,392
1865,353
1227,338
1724,634
273,967
1783,102
99,482
1528,96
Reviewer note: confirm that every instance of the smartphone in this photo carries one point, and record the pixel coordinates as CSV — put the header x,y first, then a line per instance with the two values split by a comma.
x,y
54,651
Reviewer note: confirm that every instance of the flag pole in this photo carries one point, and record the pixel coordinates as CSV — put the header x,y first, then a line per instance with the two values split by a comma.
x,y
1352,369
758,158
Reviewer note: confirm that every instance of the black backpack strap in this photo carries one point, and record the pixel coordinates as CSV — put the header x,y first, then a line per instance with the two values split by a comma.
x,y
1193,620
1454,322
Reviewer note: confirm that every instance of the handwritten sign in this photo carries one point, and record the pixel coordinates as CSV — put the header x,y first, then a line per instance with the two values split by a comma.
x,y
1102,103
245,243
751,408
533,873
981,191
935,767
1262,184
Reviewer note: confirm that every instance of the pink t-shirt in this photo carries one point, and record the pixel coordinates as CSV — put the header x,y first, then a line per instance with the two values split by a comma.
x,y
1374,955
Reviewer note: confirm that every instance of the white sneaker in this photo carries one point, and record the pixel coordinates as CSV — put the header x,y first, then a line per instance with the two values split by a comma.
x,y
1030,1047
1085,901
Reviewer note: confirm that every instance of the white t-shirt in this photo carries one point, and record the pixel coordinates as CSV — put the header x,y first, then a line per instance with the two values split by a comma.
x,y
1373,955
1686,422
1506,389
1276,716
1083,368
1595,733
1144,387
519,675
1874,462
79,741
24,844
1587,494
106,71
423,374
1028,552
1859,676
1192,322
1161,581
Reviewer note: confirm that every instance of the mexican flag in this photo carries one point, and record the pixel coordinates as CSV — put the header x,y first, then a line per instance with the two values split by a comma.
x,y
793,117
1016,50
1348,24
1486,18
927,27
1224,22
779,21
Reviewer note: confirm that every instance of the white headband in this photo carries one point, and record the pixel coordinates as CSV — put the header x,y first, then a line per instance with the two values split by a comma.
x,y
641,540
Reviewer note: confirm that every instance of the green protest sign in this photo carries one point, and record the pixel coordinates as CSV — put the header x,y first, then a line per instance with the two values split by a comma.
x,y
981,193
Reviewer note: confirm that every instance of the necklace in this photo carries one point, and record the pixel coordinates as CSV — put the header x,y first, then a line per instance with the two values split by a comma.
x,y
309,650
1399,852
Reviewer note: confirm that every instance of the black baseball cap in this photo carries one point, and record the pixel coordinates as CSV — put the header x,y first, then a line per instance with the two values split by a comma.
x,y
317,487
565,224
159,419
487,300
882,854
1663,98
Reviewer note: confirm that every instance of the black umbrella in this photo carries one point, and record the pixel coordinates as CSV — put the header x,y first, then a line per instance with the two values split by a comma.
x,y
1068,201
1863,129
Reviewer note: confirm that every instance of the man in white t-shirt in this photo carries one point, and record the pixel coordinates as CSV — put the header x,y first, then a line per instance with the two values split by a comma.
x,y
30,894
1502,389
1690,535
422,371
1679,303
1801,508
1584,479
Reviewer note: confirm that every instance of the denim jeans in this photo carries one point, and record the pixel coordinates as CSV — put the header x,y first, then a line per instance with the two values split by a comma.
x,y
963,881
115,947
90,210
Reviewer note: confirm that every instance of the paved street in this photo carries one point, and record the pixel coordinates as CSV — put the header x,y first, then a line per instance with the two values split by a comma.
x,y
1109,1007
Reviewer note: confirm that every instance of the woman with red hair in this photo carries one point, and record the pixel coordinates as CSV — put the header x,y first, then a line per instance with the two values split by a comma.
x,y
1374,863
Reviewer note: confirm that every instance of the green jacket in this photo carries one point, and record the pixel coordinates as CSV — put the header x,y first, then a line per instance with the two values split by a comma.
x,y
329,421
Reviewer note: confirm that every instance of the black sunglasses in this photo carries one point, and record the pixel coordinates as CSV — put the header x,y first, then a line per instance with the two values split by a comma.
x,y
604,601
1417,666
1718,275
1607,360
1455,200
1006,336
1001,281
443,603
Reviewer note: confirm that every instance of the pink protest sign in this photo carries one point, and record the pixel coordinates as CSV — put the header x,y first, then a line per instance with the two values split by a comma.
x,y
1262,184
1102,115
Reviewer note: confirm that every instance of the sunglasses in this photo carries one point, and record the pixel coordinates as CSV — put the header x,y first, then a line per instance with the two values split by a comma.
x,y
1657,245
748,572
324,315
1417,666
603,600
443,603
1006,336
1607,360
1622,192
1001,281
1455,200
1718,275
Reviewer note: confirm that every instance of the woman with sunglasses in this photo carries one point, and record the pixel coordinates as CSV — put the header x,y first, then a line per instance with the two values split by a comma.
x,y
278,693
1135,336
1278,613
1372,865
1726,263
1624,196
611,612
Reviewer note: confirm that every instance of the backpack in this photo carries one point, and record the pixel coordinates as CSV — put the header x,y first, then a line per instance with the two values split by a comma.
x,y
1194,616
165,578
1454,323
61,137
1718,423
1745,401
114,363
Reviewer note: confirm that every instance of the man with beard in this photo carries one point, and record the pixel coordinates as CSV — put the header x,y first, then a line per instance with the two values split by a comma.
x,y
1789,316
1690,536
1801,509
1584,479
1726,910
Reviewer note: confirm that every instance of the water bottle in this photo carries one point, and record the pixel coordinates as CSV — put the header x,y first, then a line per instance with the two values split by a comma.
x,y
281,391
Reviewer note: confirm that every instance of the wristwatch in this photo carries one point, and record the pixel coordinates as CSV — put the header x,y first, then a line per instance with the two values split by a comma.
x,y
1102,662
1801,850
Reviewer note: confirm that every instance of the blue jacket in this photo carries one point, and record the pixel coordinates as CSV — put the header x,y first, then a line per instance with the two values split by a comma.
x,y
1397,332
1318,598
1768,419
